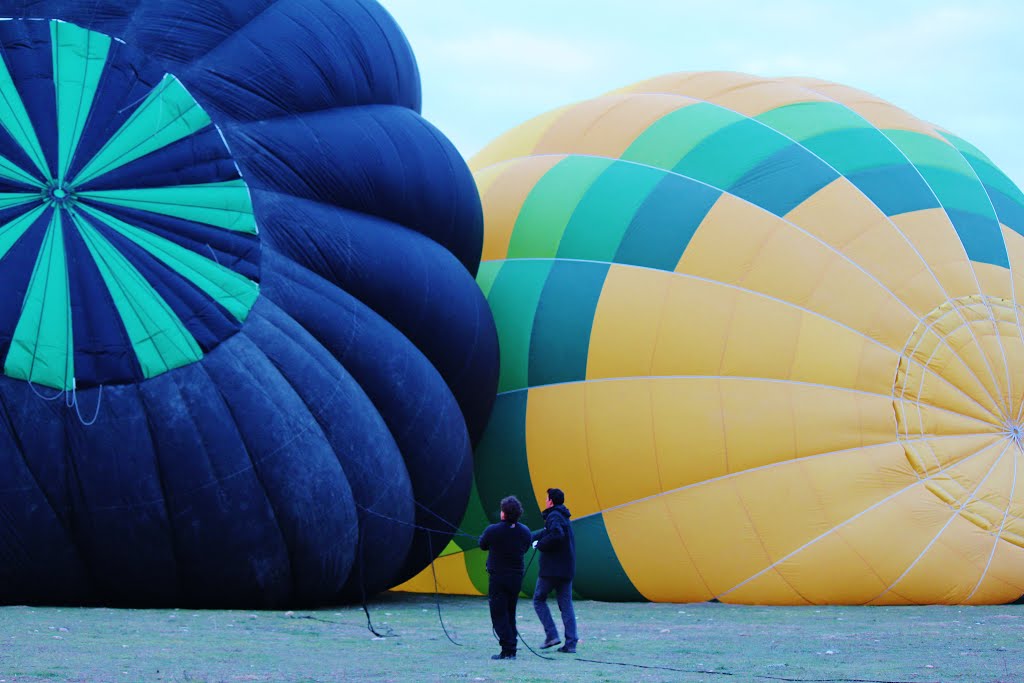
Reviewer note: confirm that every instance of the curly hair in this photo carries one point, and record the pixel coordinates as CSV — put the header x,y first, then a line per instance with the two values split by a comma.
x,y
512,508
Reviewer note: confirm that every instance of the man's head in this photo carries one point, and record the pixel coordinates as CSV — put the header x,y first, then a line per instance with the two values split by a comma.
x,y
511,509
556,497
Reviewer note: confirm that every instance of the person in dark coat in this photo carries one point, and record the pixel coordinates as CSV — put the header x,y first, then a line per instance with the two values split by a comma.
x,y
506,543
557,546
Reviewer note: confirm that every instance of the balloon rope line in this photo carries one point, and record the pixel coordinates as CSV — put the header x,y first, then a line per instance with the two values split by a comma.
x,y
60,392
96,414
455,527
362,586
430,550
417,526
747,676
130,104
520,635
437,594
71,401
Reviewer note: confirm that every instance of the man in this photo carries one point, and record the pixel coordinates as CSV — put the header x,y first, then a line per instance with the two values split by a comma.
x,y
557,547
506,543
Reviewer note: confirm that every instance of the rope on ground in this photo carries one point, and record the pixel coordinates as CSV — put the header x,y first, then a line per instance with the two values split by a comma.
x,y
768,677
362,586
520,635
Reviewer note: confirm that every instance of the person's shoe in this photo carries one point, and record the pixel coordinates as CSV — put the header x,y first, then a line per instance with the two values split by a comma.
x,y
568,649
504,655
551,642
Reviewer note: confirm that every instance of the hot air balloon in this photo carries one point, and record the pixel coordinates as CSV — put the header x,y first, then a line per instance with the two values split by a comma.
x,y
244,355
766,335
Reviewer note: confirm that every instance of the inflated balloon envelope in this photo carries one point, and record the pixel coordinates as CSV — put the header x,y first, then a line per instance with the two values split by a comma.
x,y
766,335
240,265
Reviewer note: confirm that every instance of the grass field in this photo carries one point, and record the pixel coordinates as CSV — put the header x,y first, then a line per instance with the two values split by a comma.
x,y
693,642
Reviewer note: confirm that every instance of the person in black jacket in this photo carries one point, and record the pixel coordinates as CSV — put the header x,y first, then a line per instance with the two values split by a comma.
x,y
557,546
506,543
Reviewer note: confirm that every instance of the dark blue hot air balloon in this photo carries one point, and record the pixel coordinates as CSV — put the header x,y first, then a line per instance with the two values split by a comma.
x,y
244,355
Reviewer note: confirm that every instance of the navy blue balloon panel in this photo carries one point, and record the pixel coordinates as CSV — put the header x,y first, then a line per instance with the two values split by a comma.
x,y
244,356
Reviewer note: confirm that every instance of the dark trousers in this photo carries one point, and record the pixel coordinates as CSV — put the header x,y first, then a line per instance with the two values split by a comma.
x,y
502,596
563,593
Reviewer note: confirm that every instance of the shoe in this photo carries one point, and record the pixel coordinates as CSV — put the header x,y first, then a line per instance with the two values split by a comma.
x,y
550,643
504,655
568,650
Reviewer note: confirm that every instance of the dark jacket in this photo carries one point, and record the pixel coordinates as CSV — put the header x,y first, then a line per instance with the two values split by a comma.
x,y
557,544
506,543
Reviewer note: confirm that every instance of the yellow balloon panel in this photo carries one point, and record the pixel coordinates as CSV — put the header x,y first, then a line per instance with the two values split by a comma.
x,y
621,453
760,97
452,578
971,352
556,443
719,535
762,338
606,126
659,563
910,520
697,84
769,588
825,569
934,455
998,348
955,478
740,244
1015,251
760,422
652,322
821,343
503,189
627,320
934,372
748,95
516,142
915,415
634,438
841,216
689,429
784,507
1003,580
932,235
881,114
991,493
735,527
959,549
830,563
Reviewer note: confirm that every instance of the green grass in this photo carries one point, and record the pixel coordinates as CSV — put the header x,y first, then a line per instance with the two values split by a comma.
x,y
703,642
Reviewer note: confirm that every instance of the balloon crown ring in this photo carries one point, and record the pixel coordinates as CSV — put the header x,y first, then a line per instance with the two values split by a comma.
x,y
112,220
58,195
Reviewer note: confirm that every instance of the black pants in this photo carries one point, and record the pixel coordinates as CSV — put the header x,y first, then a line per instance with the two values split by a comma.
x,y
502,596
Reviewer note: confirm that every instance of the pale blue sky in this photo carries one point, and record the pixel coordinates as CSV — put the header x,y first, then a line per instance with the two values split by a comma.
x,y
487,66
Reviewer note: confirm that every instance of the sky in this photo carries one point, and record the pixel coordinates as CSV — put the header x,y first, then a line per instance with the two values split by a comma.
x,y
487,66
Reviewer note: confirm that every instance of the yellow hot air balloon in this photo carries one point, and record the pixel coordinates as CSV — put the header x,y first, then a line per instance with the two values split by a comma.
x,y
765,333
